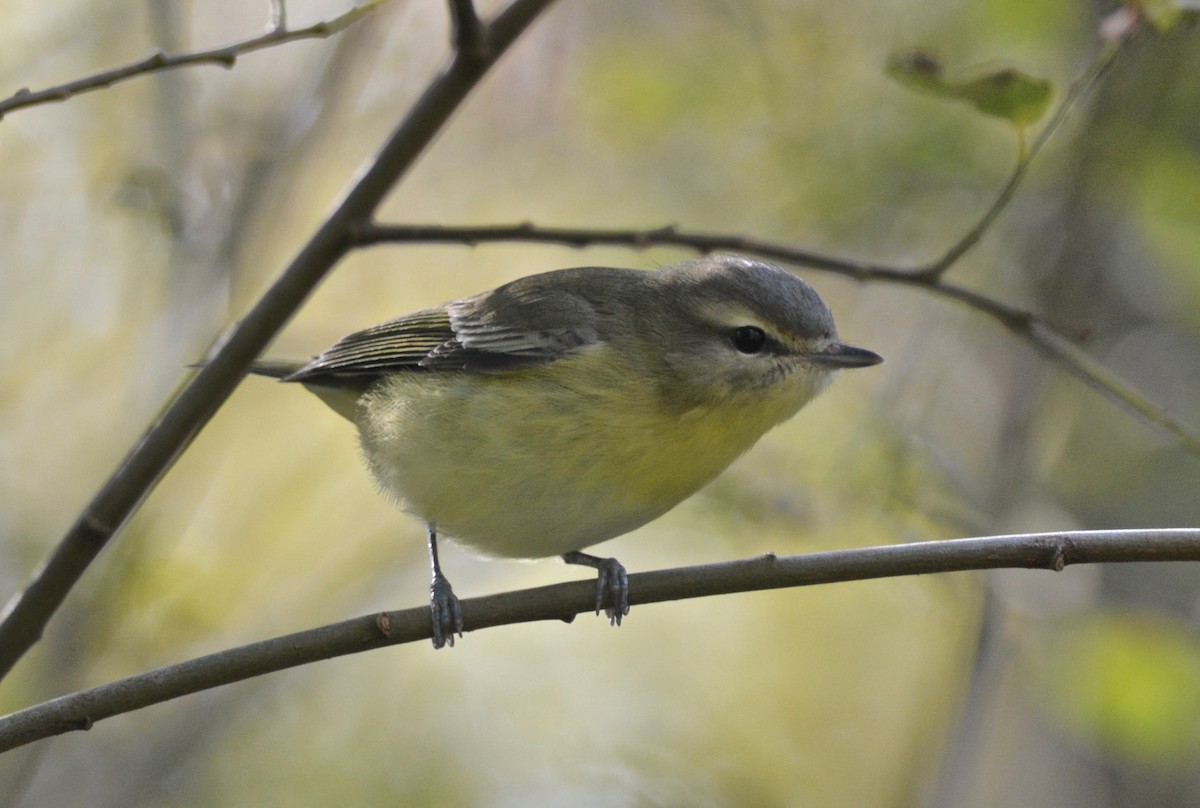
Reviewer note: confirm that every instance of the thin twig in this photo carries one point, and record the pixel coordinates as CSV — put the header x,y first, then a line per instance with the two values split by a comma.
x,y
226,56
1052,551
580,237
27,613
1025,157
1103,380
278,20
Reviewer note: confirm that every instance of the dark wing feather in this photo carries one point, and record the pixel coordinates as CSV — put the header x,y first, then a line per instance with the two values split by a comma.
x,y
512,327
504,331
390,347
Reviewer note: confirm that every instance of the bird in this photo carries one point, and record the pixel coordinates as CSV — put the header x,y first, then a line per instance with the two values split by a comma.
x,y
569,407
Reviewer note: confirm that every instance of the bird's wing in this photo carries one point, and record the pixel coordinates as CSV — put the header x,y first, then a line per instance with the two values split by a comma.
x,y
389,347
475,334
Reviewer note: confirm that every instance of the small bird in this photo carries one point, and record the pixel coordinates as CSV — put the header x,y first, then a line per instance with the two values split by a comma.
x,y
565,408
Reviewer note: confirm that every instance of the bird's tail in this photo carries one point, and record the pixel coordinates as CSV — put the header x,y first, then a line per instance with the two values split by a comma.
x,y
274,368
343,399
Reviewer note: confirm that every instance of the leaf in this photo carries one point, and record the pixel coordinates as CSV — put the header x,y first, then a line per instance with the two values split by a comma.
x,y
1009,94
1006,93
919,70
1162,14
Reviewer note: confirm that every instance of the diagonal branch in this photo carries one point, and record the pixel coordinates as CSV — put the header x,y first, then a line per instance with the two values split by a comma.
x,y
1052,551
226,56
27,613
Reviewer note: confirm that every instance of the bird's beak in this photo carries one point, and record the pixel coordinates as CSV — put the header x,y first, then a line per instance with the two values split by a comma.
x,y
838,355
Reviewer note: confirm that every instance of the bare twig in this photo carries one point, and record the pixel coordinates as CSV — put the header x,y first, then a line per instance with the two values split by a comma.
x,y
1103,380
278,21
1025,157
371,234
227,56
469,34
26,615
1052,551
671,236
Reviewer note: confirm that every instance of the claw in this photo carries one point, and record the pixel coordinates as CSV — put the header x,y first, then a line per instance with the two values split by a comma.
x,y
445,612
612,584
443,604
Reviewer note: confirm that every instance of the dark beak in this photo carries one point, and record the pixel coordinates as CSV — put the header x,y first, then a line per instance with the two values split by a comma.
x,y
838,355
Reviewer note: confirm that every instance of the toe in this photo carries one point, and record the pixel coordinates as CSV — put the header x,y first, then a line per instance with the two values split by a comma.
x,y
445,612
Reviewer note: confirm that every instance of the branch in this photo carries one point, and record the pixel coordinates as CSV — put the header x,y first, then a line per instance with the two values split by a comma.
x,y
469,34
227,56
1052,551
1045,335
1099,66
279,15
26,615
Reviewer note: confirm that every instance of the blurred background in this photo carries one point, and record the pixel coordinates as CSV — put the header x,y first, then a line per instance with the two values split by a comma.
x,y
139,221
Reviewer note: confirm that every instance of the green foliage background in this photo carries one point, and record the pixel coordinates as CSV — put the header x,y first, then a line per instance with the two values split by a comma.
x,y
140,220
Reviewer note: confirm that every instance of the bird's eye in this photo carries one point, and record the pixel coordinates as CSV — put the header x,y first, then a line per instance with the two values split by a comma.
x,y
749,339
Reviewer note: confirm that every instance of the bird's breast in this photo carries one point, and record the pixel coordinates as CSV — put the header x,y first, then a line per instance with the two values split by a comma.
x,y
525,465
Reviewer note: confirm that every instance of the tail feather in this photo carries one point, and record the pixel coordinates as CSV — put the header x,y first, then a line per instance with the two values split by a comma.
x,y
342,398
274,368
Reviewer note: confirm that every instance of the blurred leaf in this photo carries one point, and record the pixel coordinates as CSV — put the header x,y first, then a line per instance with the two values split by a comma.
x,y
1007,93
1131,684
1166,198
1162,14
919,70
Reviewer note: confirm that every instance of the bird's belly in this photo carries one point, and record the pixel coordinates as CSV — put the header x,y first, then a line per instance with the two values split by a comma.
x,y
536,470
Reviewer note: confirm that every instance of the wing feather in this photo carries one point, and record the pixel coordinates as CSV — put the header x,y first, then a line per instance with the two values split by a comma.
x,y
389,347
518,325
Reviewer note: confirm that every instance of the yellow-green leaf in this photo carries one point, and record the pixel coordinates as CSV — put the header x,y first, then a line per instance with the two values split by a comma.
x,y
1162,14
1005,93
1131,683
1008,94
918,70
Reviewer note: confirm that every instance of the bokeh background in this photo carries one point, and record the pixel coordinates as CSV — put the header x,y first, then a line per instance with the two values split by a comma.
x,y
139,221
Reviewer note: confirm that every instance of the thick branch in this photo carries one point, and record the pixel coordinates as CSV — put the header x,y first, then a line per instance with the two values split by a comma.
x,y
1052,551
226,56
27,614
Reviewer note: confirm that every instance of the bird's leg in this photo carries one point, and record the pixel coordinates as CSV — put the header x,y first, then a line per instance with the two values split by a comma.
x,y
443,604
612,584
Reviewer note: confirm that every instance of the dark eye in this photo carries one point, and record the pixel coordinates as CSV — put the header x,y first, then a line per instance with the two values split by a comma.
x,y
749,339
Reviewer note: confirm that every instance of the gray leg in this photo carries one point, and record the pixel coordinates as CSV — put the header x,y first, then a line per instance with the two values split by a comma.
x,y
443,605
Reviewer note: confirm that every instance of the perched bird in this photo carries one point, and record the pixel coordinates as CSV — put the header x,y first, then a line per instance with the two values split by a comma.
x,y
569,407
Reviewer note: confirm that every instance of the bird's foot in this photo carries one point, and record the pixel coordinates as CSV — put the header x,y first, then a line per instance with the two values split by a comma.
x,y
445,611
612,584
